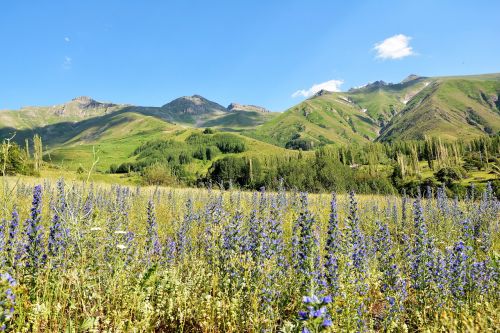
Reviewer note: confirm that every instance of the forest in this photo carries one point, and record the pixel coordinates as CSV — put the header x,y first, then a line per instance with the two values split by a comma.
x,y
384,168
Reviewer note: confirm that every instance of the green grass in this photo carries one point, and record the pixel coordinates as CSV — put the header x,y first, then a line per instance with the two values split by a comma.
x,y
383,102
322,120
238,120
114,141
450,108
116,145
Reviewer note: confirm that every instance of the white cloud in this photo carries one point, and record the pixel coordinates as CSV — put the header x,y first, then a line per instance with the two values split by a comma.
x,y
395,47
67,62
332,85
66,39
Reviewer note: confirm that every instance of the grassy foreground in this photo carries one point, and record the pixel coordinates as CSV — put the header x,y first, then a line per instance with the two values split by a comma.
x,y
82,257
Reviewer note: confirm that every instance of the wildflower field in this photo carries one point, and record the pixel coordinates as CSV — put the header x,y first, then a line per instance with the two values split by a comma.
x,y
81,257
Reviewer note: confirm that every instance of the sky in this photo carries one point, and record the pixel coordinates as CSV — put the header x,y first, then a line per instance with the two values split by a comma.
x,y
269,53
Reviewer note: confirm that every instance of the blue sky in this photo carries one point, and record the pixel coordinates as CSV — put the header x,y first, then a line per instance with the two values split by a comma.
x,y
252,52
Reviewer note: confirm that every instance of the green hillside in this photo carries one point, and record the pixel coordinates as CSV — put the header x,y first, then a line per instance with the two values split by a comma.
x,y
239,119
77,109
73,131
382,101
451,108
194,111
115,148
448,107
114,137
324,119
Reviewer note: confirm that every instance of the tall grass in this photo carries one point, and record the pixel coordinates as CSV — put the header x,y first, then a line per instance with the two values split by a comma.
x,y
92,258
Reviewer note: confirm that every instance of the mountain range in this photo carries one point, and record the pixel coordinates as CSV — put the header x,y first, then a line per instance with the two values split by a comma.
x,y
456,107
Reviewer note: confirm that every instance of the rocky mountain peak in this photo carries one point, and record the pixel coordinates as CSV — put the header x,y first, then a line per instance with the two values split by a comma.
x,y
86,102
193,105
83,99
411,77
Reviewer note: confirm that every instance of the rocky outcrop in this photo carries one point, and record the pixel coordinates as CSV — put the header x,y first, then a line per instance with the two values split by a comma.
x,y
322,92
241,107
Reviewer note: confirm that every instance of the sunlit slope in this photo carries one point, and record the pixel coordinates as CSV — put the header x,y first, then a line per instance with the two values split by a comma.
x,y
115,142
77,109
323,119
451,108
382,101
113,139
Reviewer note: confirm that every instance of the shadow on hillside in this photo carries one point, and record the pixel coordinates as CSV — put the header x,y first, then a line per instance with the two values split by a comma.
x,y
59,133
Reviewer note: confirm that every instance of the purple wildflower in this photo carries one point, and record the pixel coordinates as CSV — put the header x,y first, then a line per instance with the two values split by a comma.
x,y
34,247
153,247
333,248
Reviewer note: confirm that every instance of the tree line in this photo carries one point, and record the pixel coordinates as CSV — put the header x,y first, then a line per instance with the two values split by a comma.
x,y
383,168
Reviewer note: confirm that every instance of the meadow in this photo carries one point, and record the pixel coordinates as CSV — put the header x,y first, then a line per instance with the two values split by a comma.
x,y
92,257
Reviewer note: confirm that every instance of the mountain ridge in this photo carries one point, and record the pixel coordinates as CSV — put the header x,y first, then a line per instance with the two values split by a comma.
x,y
452,107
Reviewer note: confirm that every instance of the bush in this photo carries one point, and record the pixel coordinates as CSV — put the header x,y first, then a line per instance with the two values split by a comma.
x,y
228,143
458,190
299,144
366,183
184,158
447,175
239,171
158,174
14,160
208,131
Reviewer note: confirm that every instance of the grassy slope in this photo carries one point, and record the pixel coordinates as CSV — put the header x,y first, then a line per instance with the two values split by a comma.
x,y
123,133
238,120
114,140
326,118
255,149
39,116
451,108
385,101
443,108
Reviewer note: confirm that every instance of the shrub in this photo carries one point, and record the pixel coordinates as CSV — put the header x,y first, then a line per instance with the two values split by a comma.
x,y
208,130
13,160
449,174
300,144
158,174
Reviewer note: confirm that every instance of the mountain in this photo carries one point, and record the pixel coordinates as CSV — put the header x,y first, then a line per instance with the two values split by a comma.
x,y
451,108
77,109
193,110
193,105
323,119
71,130
447,107
198,111
115,136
